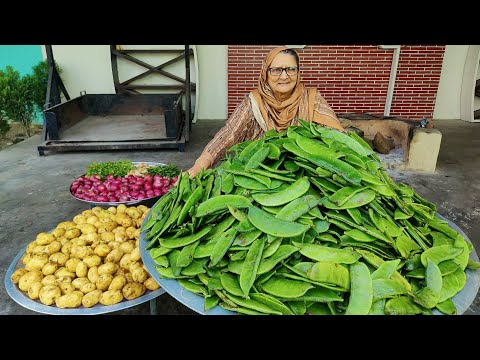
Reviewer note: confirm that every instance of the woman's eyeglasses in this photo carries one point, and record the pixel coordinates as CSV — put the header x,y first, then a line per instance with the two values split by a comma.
x,y
277,71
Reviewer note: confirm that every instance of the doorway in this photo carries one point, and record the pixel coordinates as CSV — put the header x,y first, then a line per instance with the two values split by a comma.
x,y
470,92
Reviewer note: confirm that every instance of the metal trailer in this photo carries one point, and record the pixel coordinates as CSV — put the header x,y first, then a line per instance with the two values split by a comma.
x,y
126,120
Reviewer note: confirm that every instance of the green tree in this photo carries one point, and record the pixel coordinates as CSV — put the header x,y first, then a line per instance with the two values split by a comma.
x,y
40,82
4,125
17,98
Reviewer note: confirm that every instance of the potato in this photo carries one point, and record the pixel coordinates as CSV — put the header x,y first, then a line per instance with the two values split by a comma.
x,y
107,226
120,271
121,237
95,244
137,233
92,260
39,249
107,268
34,290
134,265
79,282
104,281
116,244
72,233
87,228
63,271
126,261
102,250
151,284
119,229
92,274
37,262
90,238
58,232
81,270
98,224
50,280
79,241
107,236
117,283
111,297
80,219
92,219
88,213
91,299
71,264
17,274
49,293
59,258
66,248
66,287
121,208
26,258
44,238
112,209
63,240
87,287
138,222
29,278
131,232
124,220
30,247
135,254
63,279
133,213
80,252
129,277
114,256
144,209
127,247
133,290
66,225
139,274
49,268
70,300
53,247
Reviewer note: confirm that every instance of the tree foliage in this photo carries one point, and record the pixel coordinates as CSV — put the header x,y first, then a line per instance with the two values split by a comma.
x,y
22,97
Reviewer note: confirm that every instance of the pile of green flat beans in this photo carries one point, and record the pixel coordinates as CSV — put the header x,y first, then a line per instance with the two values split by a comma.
x,y
306,221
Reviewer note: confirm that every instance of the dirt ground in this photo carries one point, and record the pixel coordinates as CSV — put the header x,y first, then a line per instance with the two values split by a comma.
x,y
17,134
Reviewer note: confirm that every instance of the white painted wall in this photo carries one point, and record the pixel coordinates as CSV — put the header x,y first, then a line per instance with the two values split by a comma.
x,y
213,79
84,68
88,68
447,103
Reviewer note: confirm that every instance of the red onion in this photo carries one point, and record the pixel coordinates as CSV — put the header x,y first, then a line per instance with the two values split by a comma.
x,y
148,177
149,193
135,187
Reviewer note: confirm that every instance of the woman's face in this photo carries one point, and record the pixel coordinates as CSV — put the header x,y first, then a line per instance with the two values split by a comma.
x,y
282,85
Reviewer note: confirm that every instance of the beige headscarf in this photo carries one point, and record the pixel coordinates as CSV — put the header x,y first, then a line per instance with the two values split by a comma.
x,y
279,114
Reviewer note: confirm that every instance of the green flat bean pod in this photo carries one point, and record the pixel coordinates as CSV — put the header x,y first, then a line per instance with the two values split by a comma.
x,y
270,225
361,290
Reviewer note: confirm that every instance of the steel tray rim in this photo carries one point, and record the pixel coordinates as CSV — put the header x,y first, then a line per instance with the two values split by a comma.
x,y
35,305
462,299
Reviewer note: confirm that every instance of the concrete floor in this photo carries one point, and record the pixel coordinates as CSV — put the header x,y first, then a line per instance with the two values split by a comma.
x,y
34,194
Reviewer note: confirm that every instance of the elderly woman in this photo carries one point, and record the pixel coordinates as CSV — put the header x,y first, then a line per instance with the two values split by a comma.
x,y
278,102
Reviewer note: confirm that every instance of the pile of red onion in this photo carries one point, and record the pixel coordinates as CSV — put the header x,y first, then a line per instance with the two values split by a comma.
x,y
120,189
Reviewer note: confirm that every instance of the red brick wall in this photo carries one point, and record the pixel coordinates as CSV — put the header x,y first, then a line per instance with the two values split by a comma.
x,y
352,78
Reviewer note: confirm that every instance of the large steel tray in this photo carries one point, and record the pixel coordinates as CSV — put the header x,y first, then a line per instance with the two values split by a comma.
x,y
21,298
462,300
